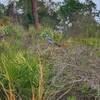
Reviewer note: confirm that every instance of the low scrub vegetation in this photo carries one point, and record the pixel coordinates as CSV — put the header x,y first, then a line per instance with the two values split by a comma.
x,y
26,71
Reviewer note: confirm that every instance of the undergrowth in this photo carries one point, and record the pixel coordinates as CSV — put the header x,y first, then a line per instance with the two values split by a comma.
x,y
23,73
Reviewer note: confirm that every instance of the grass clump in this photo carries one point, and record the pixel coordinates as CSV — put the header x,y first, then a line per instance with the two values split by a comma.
x,y
19,73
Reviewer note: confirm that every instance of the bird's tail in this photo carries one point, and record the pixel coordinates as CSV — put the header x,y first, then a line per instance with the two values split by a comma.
x,y
56,44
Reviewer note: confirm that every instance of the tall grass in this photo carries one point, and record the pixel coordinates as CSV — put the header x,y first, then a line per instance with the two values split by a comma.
x,y
21,72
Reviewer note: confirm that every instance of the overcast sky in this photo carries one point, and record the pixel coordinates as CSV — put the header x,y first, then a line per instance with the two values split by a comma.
x,y
96,1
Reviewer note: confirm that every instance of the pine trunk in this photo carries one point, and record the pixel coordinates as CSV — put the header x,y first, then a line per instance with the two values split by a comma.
x,y
35,14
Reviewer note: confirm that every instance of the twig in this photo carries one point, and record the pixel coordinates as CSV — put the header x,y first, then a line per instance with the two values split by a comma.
x,y
66,92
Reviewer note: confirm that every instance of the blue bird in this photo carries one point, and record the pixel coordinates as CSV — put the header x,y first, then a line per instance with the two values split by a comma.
x,y
51,41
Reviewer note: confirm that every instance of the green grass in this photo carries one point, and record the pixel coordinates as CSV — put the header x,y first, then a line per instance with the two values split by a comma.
x,y
19,68
19,71
93,42
71,98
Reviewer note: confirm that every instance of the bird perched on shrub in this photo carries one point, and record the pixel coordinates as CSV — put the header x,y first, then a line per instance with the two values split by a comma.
x,y
50,41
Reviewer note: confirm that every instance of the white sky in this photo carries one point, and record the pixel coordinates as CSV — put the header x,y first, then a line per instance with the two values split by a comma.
x,y
4,1
96,1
